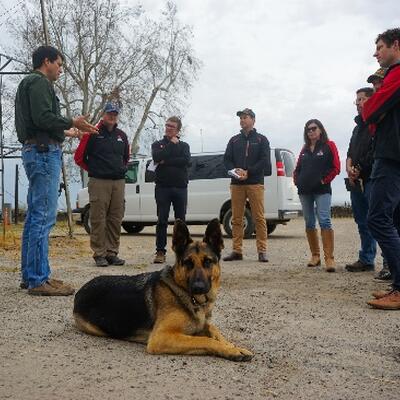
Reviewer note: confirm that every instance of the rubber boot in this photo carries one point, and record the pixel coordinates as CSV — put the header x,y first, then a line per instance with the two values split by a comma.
x,y
328,245
313,242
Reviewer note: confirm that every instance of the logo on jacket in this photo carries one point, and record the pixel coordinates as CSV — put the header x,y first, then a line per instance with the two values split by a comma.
x,y
320,153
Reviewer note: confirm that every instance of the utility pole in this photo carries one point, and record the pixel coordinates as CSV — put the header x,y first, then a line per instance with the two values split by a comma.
x,y
64,171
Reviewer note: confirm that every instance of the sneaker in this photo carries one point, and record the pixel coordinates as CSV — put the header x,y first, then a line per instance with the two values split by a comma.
x,y
359,266
384,275
233,256
391,301
160,257
100,261
262,257
115,260
49,289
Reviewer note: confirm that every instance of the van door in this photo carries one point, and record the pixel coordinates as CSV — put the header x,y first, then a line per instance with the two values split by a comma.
x,y
208,187
147,200
132,196
287,191
270,191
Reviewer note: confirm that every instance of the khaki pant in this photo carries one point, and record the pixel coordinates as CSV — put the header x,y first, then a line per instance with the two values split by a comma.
x,y
107,206
239,195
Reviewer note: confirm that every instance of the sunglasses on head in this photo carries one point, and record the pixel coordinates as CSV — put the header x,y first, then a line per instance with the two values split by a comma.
x,y
312,128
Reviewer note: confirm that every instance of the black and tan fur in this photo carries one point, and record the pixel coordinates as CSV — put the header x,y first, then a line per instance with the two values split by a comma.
x,y
169,310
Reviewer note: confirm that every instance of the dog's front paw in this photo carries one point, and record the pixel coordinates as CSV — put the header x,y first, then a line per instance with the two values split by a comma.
x,y
240,354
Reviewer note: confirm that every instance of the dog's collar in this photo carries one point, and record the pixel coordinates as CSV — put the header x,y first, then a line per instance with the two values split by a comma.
x,y
188,301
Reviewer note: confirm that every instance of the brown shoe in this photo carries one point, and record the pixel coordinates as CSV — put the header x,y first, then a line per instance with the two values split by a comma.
x,y
160,257
233,256
380,293
59,283
51,289
389,302
262,257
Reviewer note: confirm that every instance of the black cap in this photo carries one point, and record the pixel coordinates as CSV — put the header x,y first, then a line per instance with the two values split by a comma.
x,y
246,111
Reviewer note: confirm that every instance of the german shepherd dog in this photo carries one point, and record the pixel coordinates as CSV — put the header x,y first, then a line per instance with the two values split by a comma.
x,y
169,310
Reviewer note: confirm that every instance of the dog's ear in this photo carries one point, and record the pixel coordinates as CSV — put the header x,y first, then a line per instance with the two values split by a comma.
x,y
180,238
213,237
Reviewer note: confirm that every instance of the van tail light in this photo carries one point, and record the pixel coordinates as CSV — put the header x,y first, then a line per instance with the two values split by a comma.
x,y
280,169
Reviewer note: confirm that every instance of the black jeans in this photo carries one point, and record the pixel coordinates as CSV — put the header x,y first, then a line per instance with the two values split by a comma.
x,y
384,215
165,196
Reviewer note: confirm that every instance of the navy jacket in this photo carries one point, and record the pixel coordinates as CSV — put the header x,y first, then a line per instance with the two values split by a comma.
x,y
104,155
316,170
173,171
250,152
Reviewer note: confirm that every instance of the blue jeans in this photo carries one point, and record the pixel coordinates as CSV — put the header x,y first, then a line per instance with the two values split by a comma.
x,y
43,173
384,213
360,206
316,206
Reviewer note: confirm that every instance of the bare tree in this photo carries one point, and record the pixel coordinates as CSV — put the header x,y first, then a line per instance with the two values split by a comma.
x,y
115,52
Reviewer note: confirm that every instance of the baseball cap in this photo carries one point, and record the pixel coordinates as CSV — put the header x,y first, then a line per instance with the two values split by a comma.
x,y
380,74
111,107
247,111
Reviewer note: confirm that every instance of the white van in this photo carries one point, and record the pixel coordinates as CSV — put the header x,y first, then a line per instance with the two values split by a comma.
x,y
208,194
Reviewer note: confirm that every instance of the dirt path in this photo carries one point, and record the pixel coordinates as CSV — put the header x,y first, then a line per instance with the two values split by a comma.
x,y
313,335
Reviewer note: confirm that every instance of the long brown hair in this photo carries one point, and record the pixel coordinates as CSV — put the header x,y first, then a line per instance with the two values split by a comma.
x,y
324,136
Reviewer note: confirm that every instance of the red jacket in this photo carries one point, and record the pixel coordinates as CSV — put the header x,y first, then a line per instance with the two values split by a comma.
x,y
382,112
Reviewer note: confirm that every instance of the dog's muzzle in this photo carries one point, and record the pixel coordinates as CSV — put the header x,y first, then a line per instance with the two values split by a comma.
x,y
199,284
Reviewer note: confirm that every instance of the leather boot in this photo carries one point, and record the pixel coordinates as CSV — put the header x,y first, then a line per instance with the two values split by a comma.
x,y
313,242
328,245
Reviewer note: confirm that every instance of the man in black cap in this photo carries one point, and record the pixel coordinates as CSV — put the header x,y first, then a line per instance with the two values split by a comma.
x,y
247,159
376,79
105,157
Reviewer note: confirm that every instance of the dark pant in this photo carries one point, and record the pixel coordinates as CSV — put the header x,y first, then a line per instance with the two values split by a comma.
x,y
165,196
360,206
383,215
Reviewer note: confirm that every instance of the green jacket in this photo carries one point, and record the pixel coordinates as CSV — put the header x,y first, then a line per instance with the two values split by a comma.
x,y
37,109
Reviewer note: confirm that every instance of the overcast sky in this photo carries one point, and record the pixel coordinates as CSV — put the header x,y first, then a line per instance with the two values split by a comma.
x,y
288,60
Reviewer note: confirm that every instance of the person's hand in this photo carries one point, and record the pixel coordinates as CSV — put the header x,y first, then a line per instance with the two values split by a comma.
x,y
242,174
174,140
81,124
74,133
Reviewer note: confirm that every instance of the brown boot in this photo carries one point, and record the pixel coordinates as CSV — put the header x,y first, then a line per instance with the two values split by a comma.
x,y
312,237
328,245
389,302
160,257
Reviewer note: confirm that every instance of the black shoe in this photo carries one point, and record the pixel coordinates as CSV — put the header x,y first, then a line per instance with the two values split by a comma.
x,y
233,256
384,275
359,266
262,257
114,260
100,261
23,285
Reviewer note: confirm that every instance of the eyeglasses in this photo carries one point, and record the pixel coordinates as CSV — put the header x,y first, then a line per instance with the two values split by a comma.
x,y
312,128
171,126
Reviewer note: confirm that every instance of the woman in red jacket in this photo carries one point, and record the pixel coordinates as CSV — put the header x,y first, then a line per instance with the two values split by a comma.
x,y
317,166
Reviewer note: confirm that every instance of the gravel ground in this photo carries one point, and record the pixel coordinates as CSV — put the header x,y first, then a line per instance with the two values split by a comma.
x,y
313,334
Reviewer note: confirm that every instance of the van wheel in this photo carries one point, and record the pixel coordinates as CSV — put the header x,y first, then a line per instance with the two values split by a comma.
x,y
131,227
270,227
86,220
248,225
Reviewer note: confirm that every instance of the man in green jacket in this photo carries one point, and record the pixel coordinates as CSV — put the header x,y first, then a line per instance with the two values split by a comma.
x,y
41,129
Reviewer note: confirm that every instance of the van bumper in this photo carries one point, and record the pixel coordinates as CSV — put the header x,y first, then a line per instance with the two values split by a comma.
x,y
287,215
